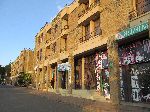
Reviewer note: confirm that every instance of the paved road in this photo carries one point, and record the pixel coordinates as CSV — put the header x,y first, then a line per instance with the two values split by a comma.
x,y
20,100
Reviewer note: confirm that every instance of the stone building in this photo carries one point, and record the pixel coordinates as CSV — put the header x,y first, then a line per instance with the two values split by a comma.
x,y
23,64
96,49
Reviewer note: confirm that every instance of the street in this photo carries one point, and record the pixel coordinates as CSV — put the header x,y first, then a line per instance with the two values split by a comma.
x,y
14,99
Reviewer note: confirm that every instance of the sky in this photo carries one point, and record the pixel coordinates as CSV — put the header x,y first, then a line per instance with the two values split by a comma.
x,y
20,21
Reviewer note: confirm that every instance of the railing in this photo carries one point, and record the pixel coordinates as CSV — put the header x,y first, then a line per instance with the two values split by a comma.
x,y
132,14
141,7
96,3
93,34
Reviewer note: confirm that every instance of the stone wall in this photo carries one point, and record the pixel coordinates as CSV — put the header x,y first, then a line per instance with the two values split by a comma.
x,y
75,31
114,16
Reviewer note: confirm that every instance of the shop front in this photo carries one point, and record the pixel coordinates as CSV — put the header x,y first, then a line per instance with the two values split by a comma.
x,y
63,69
102,73
134,60
92,74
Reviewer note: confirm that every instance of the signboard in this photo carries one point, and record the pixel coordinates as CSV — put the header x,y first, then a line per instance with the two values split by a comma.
x,y
64,67
132,31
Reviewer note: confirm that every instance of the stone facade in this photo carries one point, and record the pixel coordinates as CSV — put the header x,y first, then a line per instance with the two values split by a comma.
x,y
23,63
67,48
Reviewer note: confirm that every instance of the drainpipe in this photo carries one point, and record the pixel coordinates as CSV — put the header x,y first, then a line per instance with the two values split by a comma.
x,y
149,27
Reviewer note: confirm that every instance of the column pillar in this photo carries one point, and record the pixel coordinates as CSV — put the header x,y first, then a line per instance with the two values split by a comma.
x,y
43,78
55,85
134,4
58,80
71,77
83,61
92,28
47,77
83,33
37,79
114,70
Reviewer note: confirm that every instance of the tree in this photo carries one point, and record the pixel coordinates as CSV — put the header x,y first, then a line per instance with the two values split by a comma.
x,y
24,79
2,73
8,70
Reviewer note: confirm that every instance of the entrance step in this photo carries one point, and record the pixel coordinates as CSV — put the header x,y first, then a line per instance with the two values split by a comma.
x,y
89,94
63,92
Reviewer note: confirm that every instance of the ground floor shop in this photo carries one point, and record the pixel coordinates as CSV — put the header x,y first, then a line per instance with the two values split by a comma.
x,y
119,71
135,70
91,72
134,61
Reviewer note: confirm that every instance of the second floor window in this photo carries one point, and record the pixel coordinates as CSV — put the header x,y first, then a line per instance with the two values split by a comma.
x,y
49,31
56,27
87,32
97,27
54,47
142,6
40,54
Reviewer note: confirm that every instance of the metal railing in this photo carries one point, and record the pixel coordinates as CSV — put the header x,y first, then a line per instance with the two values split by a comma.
x,y
141,8
96,3
93,34
132,14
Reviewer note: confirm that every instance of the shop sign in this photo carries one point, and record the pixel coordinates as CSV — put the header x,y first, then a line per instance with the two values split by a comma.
x,y
64,67
132,31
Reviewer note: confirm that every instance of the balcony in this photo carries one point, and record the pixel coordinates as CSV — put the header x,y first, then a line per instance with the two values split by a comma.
x,y
89,13
91,35
64,31
65,13
139,19
142,8
132,14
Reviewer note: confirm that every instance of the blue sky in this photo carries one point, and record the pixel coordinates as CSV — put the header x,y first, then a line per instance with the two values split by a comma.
x,y
20,21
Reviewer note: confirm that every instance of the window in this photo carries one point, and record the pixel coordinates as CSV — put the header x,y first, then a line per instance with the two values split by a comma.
x,y
87,6
49,31
40,54
54,47
143,6
63,44
47,53
41,38
56,27
97,27
87,32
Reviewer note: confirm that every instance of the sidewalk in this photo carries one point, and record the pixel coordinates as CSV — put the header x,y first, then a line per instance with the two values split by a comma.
x,y
86,104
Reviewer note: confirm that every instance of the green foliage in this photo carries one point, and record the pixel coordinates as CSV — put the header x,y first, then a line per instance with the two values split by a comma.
x,y
24,79
2,72
8,70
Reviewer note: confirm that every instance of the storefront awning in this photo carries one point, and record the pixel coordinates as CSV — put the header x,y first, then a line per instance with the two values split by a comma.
x,y
132,31
64,67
